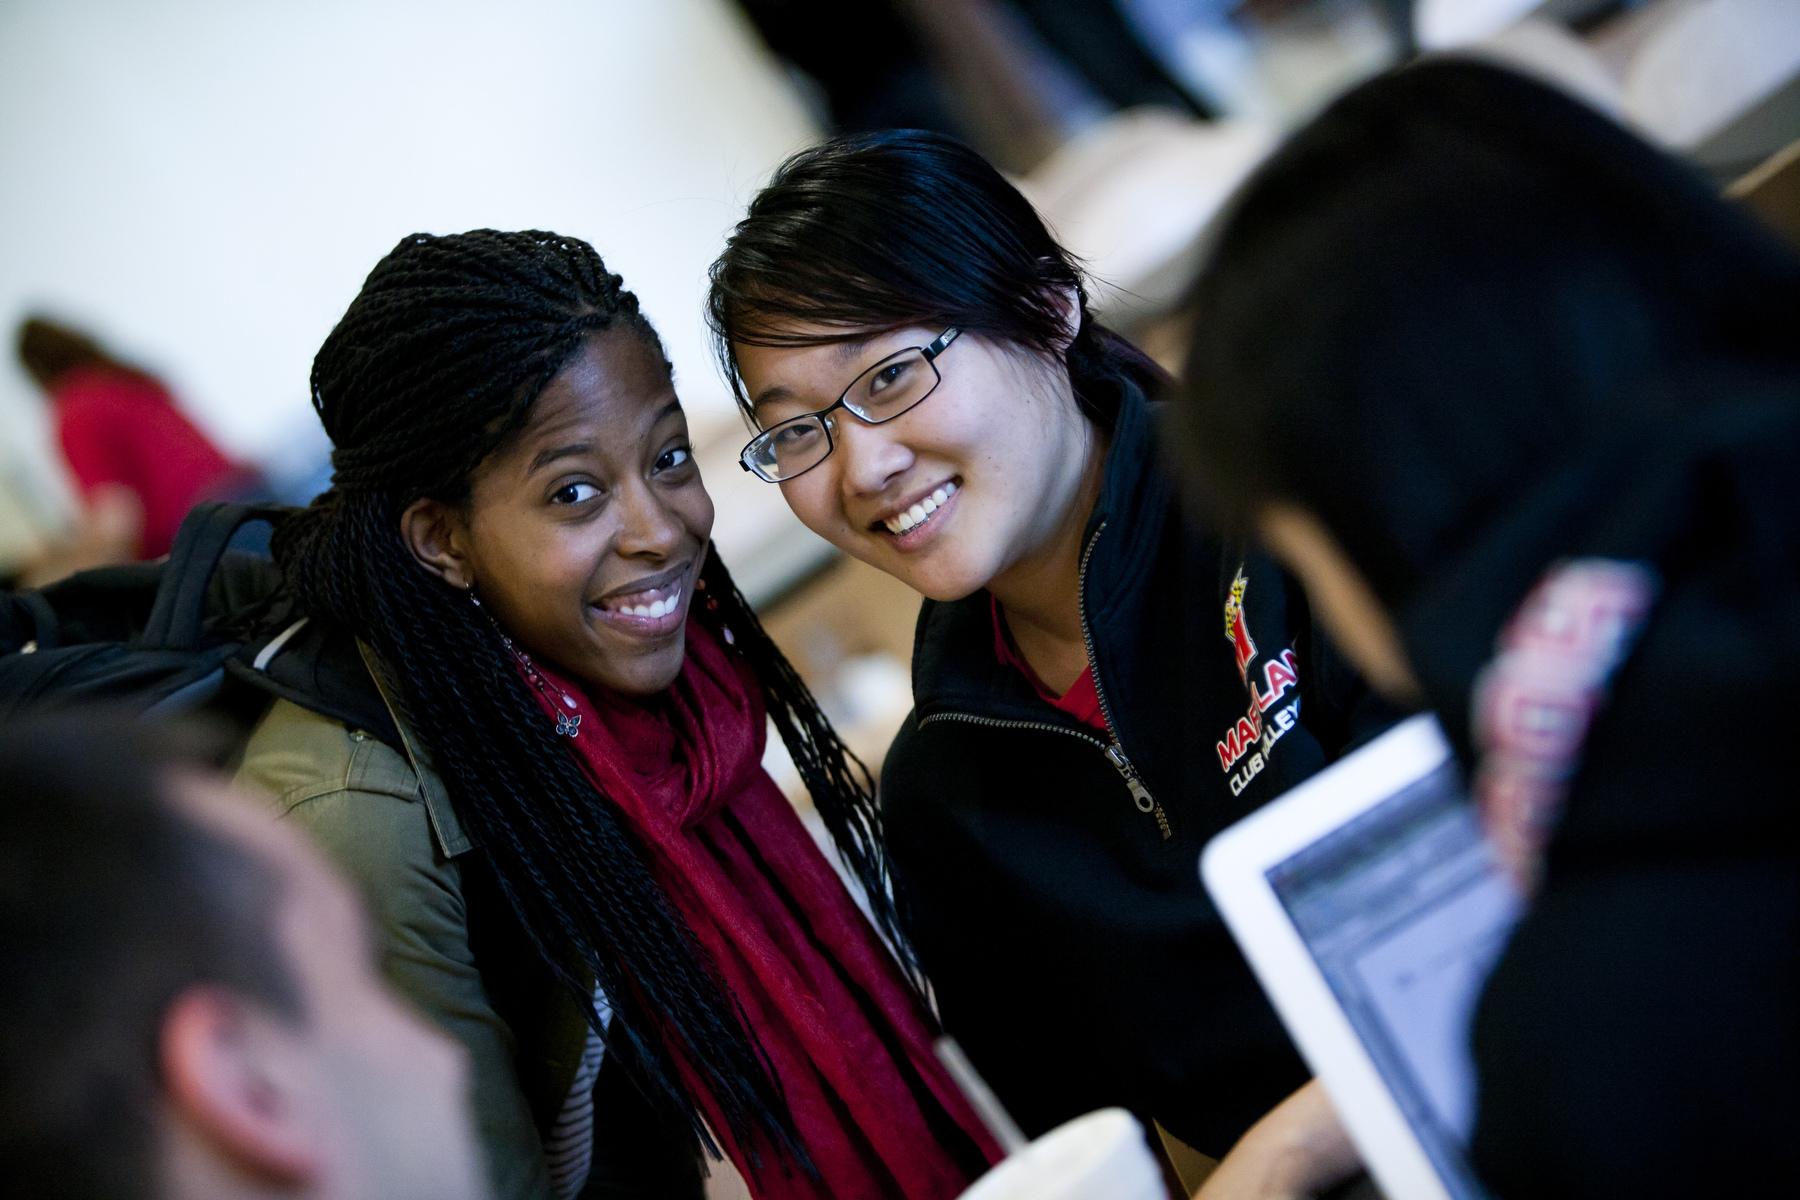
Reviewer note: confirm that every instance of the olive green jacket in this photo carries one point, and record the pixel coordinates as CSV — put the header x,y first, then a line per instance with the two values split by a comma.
x,y
386,820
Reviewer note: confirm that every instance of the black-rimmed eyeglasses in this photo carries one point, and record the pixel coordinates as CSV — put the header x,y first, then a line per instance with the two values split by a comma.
x,y
891,387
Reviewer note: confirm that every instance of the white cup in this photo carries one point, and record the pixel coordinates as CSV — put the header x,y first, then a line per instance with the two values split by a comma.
x,y
1103,1155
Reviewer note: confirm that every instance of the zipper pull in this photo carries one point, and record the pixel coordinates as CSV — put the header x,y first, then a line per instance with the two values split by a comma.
x,y
1140,795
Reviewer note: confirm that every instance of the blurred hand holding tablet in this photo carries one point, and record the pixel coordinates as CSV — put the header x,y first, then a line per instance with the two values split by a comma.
x,y
1371,908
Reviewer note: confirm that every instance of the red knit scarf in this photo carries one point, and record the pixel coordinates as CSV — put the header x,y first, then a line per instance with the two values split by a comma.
x,y
846,1037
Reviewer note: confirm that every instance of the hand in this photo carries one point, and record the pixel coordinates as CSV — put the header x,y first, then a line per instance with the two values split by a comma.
x,y
106,531
1297,1151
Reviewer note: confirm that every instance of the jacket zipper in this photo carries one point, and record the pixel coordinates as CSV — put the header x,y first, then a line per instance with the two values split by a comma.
x,y
1003,723
1140,795
1109,745
1115,750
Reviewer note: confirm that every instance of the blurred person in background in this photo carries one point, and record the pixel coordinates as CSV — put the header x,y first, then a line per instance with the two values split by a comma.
x,y
1099,685
1518,398
119,428
191,1008
1016,78
526,712
105,531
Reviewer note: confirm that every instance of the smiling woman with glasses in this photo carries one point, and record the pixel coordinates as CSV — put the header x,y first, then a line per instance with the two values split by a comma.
x,y
1098,686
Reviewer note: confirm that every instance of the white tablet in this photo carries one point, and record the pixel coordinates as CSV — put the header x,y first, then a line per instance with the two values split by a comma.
x,y
1371,909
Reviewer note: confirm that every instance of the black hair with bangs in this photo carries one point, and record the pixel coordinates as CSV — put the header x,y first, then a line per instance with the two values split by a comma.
x,y
905,227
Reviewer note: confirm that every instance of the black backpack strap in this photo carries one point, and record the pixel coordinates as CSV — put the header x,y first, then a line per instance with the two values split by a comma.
x,y
179,613
26,619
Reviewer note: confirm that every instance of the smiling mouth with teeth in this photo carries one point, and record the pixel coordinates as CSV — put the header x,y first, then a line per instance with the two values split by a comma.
x,y
919,513
667,601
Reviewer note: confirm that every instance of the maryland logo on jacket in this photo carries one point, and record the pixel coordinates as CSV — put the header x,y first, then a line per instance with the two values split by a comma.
x,y
1249,743
1047,870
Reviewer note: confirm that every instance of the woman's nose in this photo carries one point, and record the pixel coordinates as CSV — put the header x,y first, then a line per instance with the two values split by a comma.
x,y
872,455
647,525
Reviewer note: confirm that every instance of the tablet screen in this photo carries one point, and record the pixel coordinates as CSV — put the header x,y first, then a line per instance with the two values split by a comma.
x,y
1405,910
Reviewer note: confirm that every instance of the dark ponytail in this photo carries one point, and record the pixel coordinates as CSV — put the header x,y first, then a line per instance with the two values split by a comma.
x,y
877,231
435,365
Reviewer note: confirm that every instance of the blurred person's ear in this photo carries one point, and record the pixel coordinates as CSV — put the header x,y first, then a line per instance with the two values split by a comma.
x,y
1345,603
430,530
234,1075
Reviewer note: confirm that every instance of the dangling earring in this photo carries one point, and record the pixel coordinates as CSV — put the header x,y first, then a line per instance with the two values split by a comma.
x,y
712,607
567,724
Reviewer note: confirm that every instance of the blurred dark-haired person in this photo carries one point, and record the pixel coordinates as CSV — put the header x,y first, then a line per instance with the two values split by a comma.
x,y
120,429
191,1007
1099,684
1518,398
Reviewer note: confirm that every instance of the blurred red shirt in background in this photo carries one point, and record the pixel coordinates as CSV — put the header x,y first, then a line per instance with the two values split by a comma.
x,y
121,427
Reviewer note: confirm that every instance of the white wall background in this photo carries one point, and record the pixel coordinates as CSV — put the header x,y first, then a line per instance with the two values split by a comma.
x,y
205,183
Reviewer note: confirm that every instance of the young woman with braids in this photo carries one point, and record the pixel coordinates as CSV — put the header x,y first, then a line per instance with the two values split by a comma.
x,y
1099,686
508,717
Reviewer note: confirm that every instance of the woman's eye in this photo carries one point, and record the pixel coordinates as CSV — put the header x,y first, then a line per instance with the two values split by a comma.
x,y
574,493
673,457
887,376
792,437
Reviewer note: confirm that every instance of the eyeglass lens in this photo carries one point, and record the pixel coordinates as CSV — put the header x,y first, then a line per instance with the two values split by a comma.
x,y
879,394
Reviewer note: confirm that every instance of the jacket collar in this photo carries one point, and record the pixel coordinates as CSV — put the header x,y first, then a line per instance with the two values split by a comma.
x,y
452,838
325,670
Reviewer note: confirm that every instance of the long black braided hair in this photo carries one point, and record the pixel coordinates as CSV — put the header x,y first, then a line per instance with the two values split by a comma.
x,y
433,368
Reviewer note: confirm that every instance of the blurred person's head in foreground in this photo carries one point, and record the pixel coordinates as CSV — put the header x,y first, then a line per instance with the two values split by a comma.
x,y
1518,398
191,1007
1462,327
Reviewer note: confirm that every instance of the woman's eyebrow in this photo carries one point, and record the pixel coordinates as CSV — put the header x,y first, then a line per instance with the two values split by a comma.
x,y
769,396
844,352
852,347
544,458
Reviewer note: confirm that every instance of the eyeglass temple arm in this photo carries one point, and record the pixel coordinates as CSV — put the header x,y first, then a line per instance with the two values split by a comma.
x,y
941,343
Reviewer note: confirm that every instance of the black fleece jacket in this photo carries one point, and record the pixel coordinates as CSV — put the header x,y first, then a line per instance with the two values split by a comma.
x,y
1047,875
